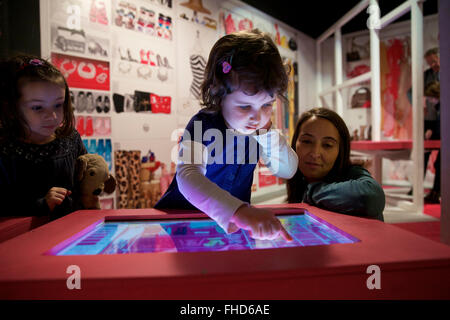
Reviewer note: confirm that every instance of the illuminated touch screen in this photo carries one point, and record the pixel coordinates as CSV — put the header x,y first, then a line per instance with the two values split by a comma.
x,y
194,235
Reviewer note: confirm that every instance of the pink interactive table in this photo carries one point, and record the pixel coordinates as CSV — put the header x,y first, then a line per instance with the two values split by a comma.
x,y
150,254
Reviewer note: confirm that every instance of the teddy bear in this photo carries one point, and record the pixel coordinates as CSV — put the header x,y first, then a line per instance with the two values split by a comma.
x,y
93,177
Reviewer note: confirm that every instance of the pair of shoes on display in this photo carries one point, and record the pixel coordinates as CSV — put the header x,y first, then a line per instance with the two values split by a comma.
x,y
86,144
88,126
102,104
434,197
83,102
93,146
102,126
97,12
86,102
98,146
79,101
108,153
84,125
103,148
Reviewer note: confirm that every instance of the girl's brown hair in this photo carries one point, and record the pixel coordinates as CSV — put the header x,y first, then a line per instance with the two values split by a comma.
x,y
296,186
14,73
256,65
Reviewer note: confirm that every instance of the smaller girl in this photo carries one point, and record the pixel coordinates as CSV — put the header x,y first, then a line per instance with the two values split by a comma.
x,y
222,143
325,176
38,143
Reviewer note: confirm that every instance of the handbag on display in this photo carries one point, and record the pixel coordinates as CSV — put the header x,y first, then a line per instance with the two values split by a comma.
x,y
118,100
142,101
361,98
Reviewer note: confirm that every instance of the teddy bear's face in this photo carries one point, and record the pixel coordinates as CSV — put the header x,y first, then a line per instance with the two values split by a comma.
x,y
93,182
93,175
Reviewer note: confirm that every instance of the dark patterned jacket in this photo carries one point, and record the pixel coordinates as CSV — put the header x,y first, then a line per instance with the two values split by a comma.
x,y
29,171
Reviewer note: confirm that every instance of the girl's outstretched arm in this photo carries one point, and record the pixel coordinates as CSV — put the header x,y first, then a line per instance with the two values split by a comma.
x,y
201,192
229,212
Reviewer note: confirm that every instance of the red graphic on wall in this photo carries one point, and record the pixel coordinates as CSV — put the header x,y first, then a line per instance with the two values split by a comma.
x,y
394,54
229,24
160,104
83,73
266,180
245,24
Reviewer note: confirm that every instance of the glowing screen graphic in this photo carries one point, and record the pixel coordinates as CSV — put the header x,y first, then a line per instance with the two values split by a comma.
x,y
194,235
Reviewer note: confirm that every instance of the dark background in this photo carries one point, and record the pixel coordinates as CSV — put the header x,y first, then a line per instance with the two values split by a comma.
x,y
20,28
314,17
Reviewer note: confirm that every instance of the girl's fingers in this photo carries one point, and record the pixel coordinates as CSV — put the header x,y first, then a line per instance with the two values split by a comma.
x,y
58,198
271,232
57,195
260,232
61,191
284,234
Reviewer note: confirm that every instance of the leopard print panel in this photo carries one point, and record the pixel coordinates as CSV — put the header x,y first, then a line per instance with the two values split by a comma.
x,y
128,166
121,165
134,168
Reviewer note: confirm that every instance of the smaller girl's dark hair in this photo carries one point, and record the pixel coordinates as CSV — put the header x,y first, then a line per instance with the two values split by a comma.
x,y
296,186
256,65
16,71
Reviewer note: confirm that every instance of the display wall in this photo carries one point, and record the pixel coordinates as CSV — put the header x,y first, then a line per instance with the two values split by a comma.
x,y
395,74
134,69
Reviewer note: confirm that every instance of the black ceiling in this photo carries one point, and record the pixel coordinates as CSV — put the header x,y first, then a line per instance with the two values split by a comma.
x,y
314,17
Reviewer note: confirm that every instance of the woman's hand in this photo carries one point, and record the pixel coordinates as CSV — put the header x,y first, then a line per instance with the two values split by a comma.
x,y
261,223
55,196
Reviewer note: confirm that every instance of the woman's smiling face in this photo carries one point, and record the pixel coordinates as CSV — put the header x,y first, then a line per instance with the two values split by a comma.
x,y
317,148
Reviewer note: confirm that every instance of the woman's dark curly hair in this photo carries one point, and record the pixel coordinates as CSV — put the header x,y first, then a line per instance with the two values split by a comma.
x,y
256,65
14,73
296,186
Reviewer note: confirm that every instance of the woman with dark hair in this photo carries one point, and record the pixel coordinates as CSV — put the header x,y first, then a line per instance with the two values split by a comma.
x,y
325,176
